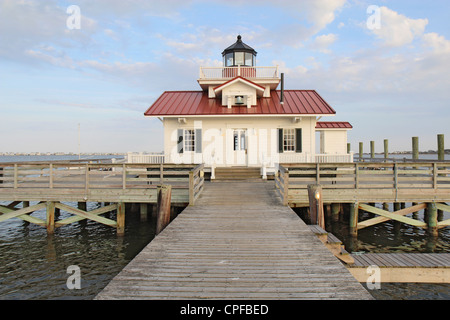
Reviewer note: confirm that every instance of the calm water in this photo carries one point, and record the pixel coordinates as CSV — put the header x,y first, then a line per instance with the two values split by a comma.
x,y
34,265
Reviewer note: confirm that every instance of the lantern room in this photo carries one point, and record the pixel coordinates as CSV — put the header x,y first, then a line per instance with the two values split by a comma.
x,y
239,54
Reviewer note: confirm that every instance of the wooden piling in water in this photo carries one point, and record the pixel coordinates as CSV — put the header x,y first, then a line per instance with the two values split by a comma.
x,y
432,220
441,148
415,148
335,210
316,205
372,149
163,207
361,151
50,221
386,148
143,212
120,219
354,211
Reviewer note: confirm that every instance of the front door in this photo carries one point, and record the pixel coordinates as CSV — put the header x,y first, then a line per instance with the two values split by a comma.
x,y
240,147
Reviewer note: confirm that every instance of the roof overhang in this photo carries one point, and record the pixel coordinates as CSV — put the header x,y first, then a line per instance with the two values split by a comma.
x,y
236,80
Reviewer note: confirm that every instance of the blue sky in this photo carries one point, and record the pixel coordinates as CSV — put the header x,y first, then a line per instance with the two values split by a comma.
x,y
390,83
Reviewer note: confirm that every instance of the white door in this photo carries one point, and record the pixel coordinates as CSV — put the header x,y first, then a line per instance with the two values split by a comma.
x,y
240,147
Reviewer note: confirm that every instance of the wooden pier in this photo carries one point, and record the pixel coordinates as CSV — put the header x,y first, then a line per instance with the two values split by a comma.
x,y
49,184
237,242
403,267
362,184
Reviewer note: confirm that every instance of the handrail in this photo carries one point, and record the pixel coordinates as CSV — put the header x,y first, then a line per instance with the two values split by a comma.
x,y
93,176
417,175
232,72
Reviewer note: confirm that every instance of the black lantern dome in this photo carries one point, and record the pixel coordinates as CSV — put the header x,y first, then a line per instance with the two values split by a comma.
x,y
239,54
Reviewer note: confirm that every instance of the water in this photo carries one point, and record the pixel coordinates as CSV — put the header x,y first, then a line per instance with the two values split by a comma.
x,y
25,158
392,237
34,266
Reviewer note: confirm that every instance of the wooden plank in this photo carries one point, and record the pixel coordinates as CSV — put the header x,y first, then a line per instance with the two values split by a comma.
x,y
23,211
226,246
24,217
393,216
86,215
403,212
77,218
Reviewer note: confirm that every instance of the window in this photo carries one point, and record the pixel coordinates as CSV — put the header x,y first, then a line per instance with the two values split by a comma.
x,y
239,140
288,140
239,58
229,59
189,140
249,59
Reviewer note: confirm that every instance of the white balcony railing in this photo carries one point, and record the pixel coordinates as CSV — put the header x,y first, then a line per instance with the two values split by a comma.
x,y
315,158
208,73
279,158
145,158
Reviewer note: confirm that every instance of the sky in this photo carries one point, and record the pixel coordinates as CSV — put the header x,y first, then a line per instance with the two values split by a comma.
x,y
384,66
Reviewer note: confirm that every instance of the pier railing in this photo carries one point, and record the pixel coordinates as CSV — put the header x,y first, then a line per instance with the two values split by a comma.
x,y
358,181
129,182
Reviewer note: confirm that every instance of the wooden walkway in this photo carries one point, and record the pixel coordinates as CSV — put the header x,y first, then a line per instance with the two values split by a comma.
x,y
237,242
404,267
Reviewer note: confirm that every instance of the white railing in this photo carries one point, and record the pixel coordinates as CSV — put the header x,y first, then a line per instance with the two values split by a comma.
x,y
266,162
145,158
315,158
232,72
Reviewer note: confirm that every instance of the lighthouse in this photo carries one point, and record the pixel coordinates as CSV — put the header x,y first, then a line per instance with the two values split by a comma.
x,y
239,117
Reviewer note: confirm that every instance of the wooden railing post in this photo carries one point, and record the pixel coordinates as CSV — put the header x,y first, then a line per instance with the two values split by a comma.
x,y
124,177
51,176
286,187
87,178
191,188
16,183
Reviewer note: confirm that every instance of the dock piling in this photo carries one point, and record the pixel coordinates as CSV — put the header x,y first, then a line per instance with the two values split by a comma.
x,y
432,220
163,207
354,211
50,222
316,205
120,219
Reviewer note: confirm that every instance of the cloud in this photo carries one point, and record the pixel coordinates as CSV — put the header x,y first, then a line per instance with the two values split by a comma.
x,y
438,43
321,43
28,24
398,30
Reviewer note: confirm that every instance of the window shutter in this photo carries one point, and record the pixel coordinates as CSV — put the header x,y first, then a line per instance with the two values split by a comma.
x,y
280,140
180,141
298,140
198,140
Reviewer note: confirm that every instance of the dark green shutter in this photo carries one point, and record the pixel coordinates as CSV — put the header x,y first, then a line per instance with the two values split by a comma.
x,y
180,141
198,140
298,140
280,140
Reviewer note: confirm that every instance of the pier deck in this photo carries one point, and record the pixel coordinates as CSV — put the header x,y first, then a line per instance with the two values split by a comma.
x,y
404,267
237,242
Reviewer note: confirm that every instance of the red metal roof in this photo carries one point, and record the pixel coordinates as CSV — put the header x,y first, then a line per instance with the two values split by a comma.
x,y
333,125
195,103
